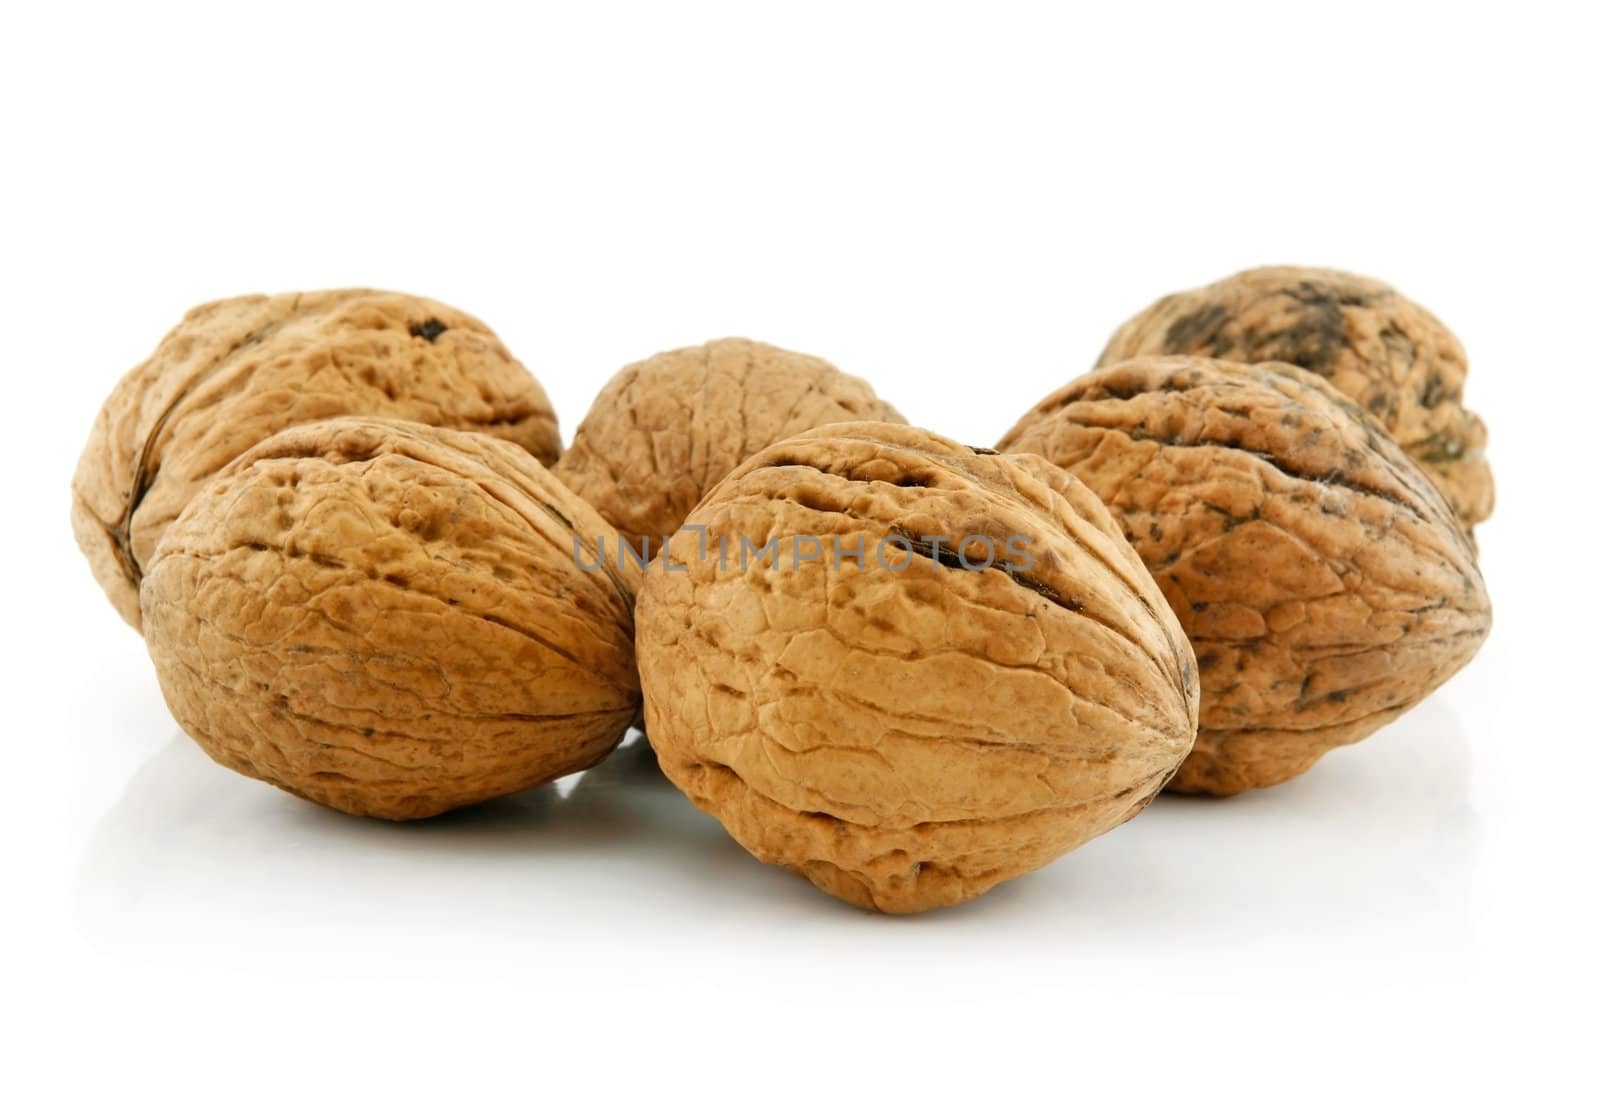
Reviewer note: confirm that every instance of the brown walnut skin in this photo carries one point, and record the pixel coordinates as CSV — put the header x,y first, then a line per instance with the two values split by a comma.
x,y
664,431
1321,577
239,370
908,736
1385,352
391,619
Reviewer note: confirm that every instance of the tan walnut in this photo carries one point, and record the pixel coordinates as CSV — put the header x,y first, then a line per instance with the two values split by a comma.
x,y
663,431
392,619
239,370
1385,352
1322,579
949,670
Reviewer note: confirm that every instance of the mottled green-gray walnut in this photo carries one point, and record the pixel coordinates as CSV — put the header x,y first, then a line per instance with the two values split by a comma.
x,y
1320,575
1385,352
392,619
951,670
663,431
236,371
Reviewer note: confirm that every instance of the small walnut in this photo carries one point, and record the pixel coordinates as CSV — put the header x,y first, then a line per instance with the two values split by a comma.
x,y
1388,354
239,370
1321,577
950,670
392,619
664,431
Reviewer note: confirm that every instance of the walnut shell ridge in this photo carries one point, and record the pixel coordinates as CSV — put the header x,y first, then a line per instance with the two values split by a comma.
x,y
663,431
1387,353
1321,577
236,371
392,619
904,731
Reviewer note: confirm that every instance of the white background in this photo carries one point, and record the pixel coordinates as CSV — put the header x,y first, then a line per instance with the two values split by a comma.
x,y
958,203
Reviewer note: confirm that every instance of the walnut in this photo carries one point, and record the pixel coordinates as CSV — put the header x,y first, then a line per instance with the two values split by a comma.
x,y
950,670
1322,579
392,619
1386,353
238,370
664,431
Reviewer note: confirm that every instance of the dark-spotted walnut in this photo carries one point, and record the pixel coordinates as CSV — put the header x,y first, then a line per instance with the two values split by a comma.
x,y
1385,352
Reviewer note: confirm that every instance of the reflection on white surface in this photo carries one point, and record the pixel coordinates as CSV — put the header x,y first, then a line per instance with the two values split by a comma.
x,y
1368,856
189,834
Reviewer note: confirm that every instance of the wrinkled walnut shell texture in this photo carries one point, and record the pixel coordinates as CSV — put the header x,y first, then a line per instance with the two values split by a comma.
x,y
389,619
663,431
1322,579
1388,354
239,370
908,739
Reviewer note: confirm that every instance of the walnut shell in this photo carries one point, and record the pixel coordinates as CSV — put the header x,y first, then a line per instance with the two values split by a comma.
x,y
392,619
663,431
906,732
1385,352
239,370
1322,579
